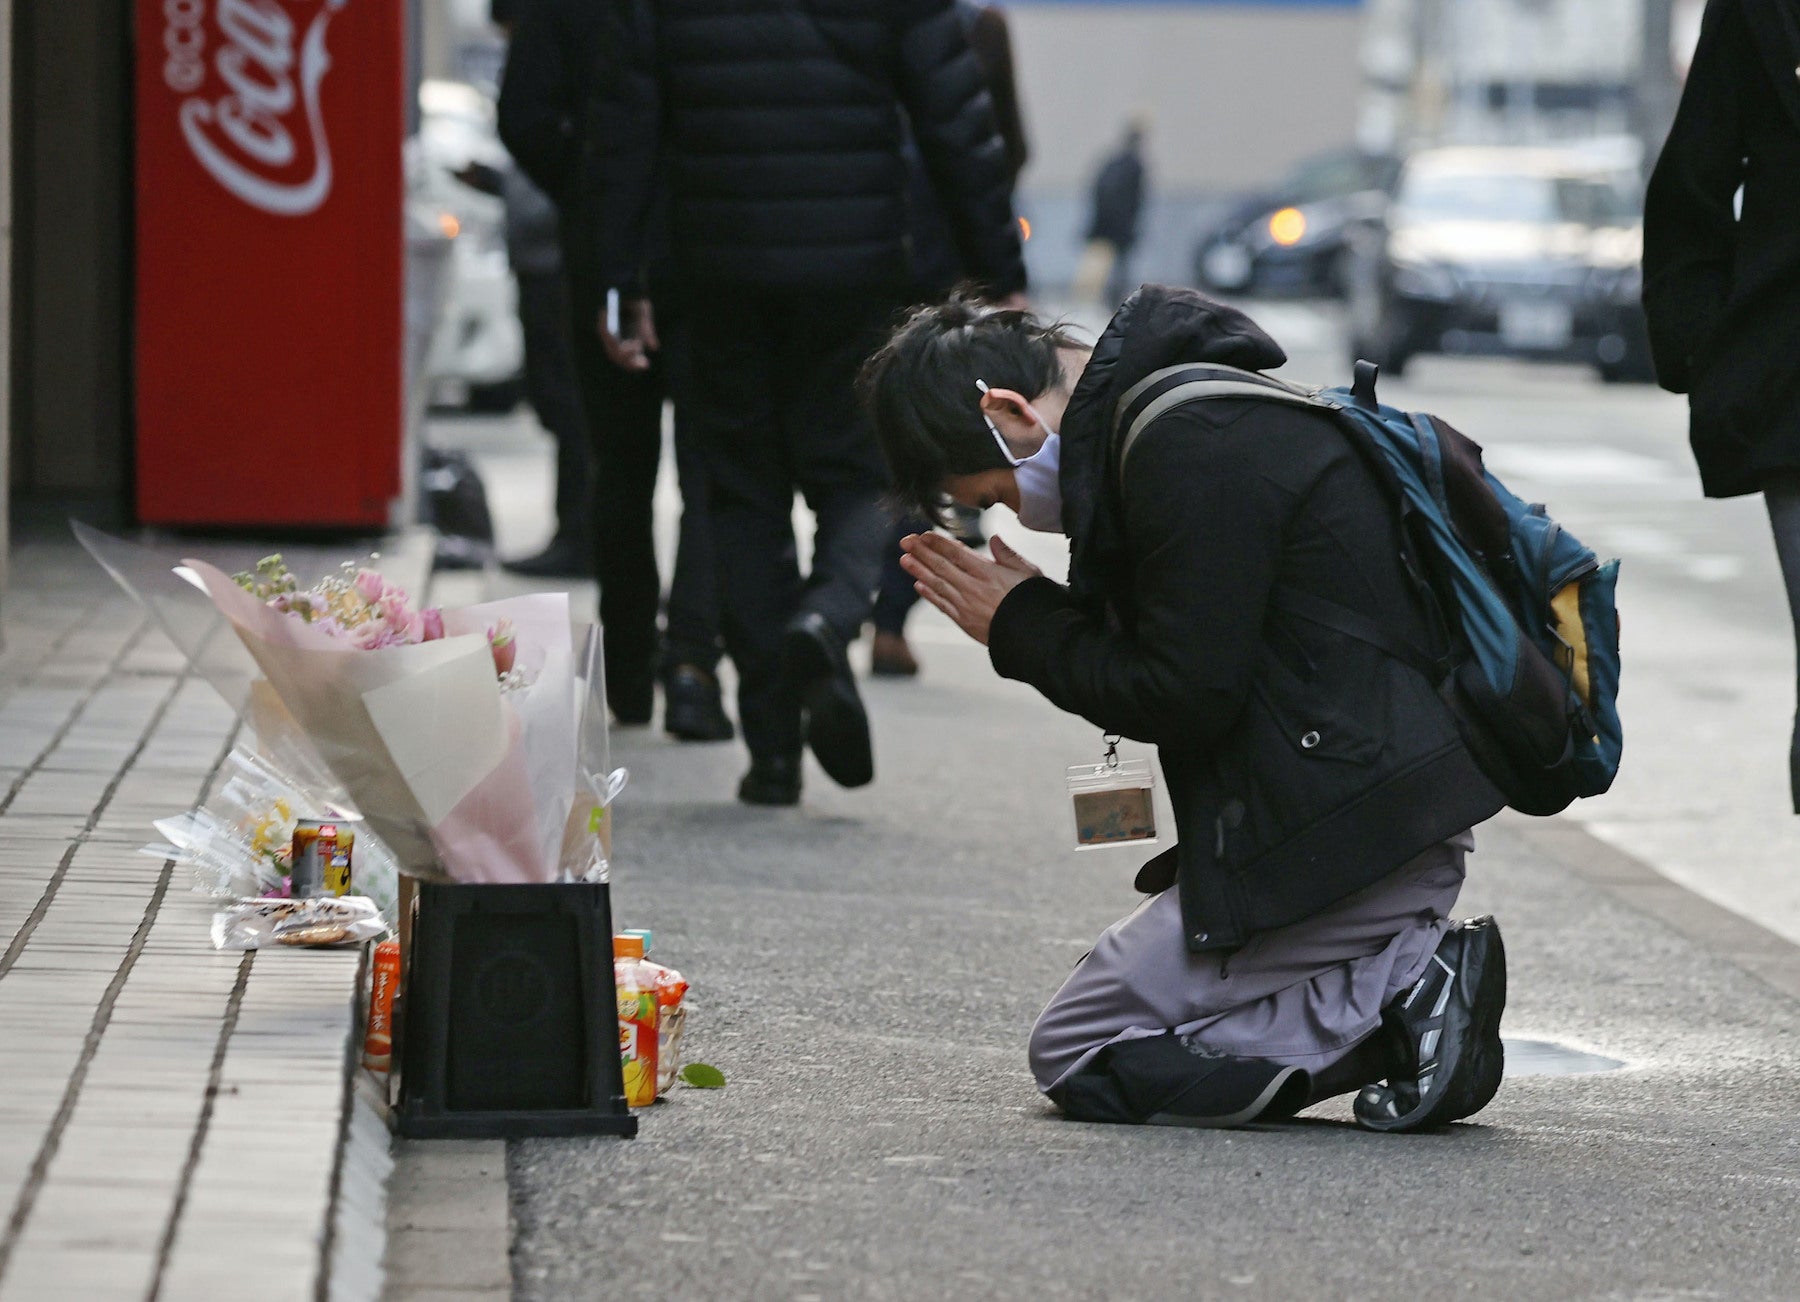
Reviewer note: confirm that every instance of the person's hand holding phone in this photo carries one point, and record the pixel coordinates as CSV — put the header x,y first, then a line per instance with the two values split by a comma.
x,y
963,584
628,333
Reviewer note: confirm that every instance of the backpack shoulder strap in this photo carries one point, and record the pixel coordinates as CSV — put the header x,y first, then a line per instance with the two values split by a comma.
x,y
1162,391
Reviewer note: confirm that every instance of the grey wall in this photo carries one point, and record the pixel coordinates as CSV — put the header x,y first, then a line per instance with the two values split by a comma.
x,y
1234,95
6,331
72,228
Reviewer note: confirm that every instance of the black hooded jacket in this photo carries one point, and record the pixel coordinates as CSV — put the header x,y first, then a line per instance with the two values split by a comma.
x,y
1302,765
775,126
1722,289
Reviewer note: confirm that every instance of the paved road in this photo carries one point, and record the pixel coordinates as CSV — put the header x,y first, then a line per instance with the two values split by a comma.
x,y
866,970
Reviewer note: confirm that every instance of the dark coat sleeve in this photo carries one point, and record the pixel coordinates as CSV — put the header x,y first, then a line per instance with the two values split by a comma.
x,y
1690,228
620,172
539,101
992,41
1207,527
952,115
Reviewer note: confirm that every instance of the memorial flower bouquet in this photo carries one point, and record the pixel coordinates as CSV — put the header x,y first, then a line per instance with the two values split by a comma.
x,y
472,741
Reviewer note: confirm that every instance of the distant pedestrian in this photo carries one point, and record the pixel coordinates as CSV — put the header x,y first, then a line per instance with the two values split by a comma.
x,y
1299,942
937,268
556,73
1722,285
1113,228
778,126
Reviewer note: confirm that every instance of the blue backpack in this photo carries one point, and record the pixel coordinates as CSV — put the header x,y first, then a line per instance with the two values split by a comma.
x,y
1527,615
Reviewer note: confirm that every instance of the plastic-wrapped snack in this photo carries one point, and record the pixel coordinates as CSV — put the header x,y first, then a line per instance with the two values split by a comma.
x,y
327,920
671,1016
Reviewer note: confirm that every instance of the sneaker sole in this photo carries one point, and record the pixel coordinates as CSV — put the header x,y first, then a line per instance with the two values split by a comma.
x,y
1283,1080
1488,1059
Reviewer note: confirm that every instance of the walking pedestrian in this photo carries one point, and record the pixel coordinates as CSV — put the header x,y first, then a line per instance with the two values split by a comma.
x,y
534,252
1298,943
778,125
1118,209
936,270
555,76
1722,285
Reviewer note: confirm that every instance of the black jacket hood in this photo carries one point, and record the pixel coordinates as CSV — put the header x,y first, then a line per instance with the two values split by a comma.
x,y
1158,326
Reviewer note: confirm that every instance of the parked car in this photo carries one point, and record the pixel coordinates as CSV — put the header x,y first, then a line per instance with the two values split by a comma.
x,y
478,357
1289,240
1511,251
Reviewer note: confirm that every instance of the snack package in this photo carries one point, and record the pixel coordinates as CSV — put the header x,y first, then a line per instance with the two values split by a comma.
x,y
378,1044
635,984
671,1015
326,920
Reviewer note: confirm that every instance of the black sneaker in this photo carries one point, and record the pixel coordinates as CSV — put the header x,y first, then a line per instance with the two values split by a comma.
x,y
692,709
1446,1029
1169,1080
817,671
771,782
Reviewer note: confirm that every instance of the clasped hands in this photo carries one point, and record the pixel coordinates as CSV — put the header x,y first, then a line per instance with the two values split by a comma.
x,y
964,584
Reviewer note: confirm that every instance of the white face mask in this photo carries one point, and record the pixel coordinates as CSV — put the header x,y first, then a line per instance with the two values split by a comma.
x,y
1039,476
1040,485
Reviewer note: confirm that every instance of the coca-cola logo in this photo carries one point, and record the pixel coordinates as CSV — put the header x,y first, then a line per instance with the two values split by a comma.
x,y
249,83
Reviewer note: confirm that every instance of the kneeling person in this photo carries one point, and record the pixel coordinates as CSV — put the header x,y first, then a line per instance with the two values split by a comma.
x,y
1298,942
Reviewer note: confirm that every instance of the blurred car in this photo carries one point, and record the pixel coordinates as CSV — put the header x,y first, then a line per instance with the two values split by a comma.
x,y
1289,240
1510,251
477,356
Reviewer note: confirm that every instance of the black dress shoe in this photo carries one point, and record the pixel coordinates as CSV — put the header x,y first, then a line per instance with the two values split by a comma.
x,y
692,710
771,782
1446,1029
817,671
562,559
632,698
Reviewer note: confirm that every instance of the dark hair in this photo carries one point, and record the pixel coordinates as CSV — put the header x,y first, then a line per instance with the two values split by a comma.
x,y
921,396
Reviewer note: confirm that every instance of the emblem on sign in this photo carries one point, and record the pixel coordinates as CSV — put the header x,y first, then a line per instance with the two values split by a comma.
x,y
254,124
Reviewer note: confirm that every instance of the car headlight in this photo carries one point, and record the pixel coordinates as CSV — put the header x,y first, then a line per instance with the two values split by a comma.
x,y
1425,280
1288,228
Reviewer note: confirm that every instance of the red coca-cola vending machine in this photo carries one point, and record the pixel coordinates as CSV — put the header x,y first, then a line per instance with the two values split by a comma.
x,y
269,313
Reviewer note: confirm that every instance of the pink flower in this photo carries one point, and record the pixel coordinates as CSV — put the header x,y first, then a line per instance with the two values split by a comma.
x,y
370,586
431,624
393,607
375,635
504,647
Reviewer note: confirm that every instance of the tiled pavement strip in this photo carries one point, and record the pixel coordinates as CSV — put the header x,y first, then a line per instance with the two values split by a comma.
x,y
170,1116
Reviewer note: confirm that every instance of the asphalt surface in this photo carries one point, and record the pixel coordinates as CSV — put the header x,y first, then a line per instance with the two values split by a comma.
x,y
866,969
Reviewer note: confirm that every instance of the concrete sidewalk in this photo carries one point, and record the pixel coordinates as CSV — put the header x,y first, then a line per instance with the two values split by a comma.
x,y
175,1122
865,971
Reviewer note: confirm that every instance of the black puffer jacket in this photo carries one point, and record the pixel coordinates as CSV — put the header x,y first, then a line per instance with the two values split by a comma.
x,y
777,126
1722,291
1302,765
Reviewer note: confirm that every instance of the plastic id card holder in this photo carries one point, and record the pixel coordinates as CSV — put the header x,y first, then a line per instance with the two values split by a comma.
x,y
1114,803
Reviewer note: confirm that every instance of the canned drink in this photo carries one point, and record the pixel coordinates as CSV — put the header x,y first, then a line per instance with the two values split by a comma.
x,y
321,859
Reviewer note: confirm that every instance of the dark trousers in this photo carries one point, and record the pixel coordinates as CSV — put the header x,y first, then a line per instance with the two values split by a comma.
x,y
773,401
1781,494
624,419
551,388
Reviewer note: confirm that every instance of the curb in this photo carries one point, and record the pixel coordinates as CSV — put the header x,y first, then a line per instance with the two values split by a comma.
x,y
1744,944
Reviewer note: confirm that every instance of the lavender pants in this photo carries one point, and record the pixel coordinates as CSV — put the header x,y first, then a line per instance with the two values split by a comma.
x,y
1305,994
